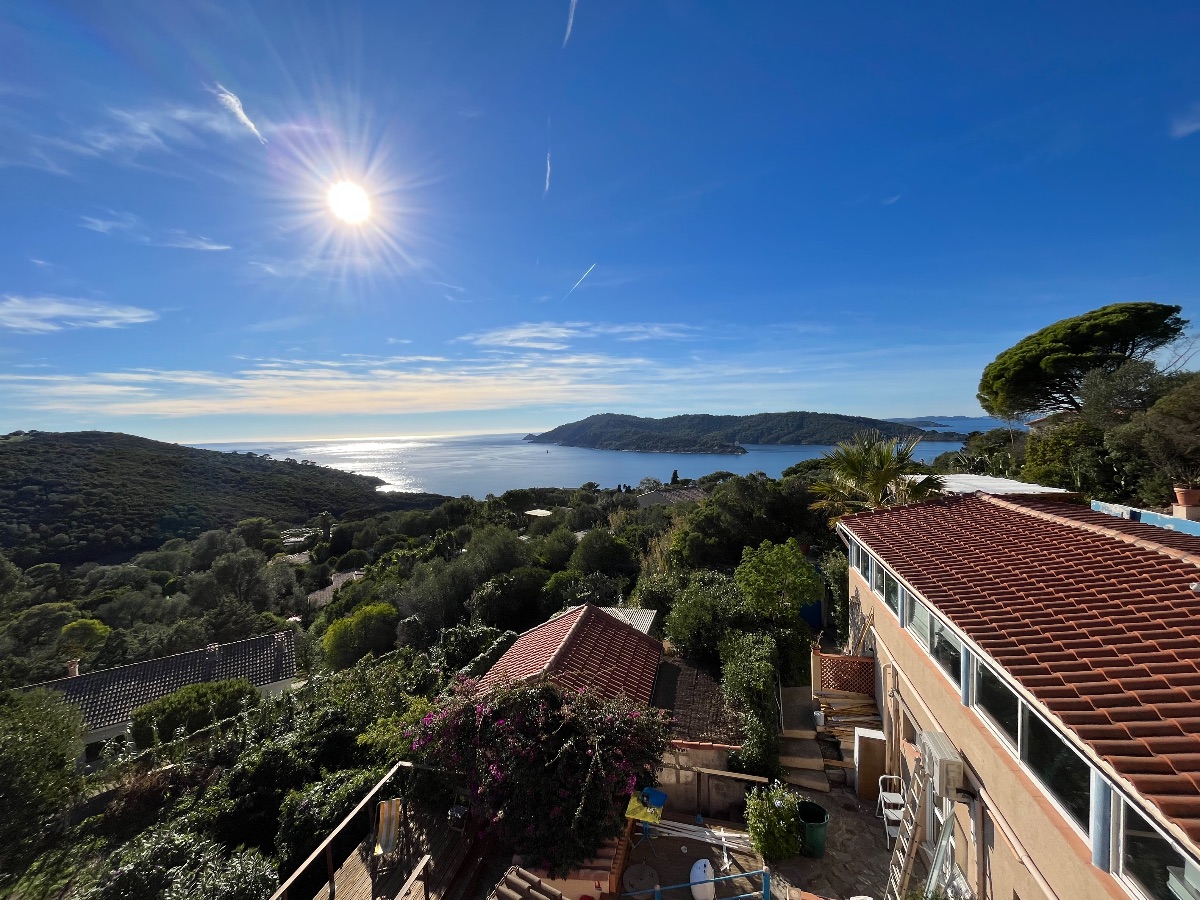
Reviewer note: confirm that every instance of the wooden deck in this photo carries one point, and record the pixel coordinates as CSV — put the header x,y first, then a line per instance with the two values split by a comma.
x,y
454,861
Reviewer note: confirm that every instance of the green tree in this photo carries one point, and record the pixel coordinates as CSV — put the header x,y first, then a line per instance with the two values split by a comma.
x,y
511,601
1071,455
703,612
871,472
83,637
836,569
777,581
240,575
41,737
368,629
1044,372
599,551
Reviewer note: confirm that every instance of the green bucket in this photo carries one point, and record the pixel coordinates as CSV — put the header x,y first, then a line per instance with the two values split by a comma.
x,y
814,823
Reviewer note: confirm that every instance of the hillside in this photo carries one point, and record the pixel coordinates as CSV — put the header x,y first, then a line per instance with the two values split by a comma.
x,y
70,497
720,434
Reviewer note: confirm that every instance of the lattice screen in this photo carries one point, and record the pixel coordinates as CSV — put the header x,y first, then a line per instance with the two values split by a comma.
x,y
848,673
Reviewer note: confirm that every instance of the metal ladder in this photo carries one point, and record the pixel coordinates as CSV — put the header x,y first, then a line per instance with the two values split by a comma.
x,y
904,853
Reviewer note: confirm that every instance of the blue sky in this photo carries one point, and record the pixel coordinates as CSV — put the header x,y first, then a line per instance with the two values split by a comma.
x,y
838,207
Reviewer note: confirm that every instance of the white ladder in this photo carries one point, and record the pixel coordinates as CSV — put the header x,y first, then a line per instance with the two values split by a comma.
x,y
904,853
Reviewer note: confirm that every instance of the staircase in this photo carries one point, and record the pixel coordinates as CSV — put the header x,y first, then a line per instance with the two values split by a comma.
x,y
908,833
799,753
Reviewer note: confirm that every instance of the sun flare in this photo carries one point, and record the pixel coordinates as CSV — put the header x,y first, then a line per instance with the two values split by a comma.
x,y
349,202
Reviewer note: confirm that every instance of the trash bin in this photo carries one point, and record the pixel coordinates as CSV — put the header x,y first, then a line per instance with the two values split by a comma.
x,y
814,821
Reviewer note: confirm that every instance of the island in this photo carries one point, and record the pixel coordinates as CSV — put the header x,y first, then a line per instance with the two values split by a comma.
x,y
722,434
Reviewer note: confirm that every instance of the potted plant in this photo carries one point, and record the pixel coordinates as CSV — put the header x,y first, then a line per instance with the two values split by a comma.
x,y
1187,493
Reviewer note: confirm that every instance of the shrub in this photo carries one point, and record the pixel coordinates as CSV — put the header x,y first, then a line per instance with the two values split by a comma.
x,y
191,708
773,820
369,628
551,771
172,865
702,614
749,667
309,814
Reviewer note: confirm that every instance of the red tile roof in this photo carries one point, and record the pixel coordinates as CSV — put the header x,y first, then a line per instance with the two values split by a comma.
x,y
1093,615
583,648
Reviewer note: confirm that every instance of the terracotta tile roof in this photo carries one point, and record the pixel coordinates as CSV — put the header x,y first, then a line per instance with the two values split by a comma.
x,y
1093,615
110,696
583,648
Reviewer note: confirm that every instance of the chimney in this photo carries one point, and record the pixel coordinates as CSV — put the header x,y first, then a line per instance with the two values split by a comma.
x,y
72,668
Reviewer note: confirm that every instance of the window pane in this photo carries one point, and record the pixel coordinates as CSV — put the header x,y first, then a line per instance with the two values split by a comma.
x,y
877,576
1147,856
918,620
1067,777
946,649
891,593
994,697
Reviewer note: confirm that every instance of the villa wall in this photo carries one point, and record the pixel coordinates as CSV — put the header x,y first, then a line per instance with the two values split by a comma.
x,y
993,867
681,783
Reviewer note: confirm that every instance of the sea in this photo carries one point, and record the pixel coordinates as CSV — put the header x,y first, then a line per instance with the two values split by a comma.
x,y
478,465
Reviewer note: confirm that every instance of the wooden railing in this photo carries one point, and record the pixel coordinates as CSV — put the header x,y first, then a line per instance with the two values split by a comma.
x,y
304,883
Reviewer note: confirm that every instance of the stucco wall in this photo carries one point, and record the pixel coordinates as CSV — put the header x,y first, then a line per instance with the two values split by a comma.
x,y
1057,851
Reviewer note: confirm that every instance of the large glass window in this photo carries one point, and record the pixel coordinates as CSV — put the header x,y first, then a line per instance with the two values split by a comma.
x,y
918,620
891,593
946,649
877,576
1066,776
996,699
1147,858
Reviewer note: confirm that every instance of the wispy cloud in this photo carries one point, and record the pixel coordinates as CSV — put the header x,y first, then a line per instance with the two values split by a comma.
x,y
570,22
233,103
888,201
1186,123
560,335
580,281
546,189
129,227
41,315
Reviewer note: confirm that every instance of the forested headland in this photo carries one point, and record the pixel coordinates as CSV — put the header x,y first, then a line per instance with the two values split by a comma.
x,y
722,434
74,497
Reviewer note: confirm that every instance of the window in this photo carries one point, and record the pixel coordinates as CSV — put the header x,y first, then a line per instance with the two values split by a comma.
x,y
1059,768
918,620
877,576
852,554
995,698
891,592
1147,858
946,650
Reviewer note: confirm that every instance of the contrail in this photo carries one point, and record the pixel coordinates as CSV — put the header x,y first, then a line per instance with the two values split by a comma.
x,y
570,22
580,281
546,189
231,102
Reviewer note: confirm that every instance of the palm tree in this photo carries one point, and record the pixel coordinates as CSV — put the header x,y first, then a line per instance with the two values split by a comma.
x,y
870,472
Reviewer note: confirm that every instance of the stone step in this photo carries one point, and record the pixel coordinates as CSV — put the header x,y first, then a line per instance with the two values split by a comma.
x,y
807,779
807,763
799,733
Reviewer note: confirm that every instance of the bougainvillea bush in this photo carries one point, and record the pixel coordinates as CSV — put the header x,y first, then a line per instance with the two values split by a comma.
x,y
551,772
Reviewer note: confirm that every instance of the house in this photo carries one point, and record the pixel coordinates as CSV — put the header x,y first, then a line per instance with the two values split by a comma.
x,y
585,647
108,698
1057,650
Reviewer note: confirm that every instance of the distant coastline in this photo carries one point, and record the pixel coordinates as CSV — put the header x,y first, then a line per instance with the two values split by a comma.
x,y
726,435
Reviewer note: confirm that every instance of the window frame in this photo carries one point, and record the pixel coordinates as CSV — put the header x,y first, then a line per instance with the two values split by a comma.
x,y
911,603
935,621
1121,806
1012,742
1025,709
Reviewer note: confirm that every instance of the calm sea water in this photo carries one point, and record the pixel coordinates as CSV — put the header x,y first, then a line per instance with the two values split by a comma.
x,y
491,464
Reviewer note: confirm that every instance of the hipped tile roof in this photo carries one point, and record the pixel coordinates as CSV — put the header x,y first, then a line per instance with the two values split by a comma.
x,y
110,696
583,649
1093,615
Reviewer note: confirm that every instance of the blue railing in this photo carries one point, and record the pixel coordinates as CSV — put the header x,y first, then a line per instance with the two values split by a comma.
x,y
765,893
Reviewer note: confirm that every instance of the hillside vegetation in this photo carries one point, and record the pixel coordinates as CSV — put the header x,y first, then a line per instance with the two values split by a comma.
x,y
72,497
721,434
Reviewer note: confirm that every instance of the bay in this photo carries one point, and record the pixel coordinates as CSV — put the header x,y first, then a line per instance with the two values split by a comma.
x,y
478,465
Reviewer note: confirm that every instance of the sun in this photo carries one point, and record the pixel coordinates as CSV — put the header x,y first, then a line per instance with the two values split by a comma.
x,y
349,202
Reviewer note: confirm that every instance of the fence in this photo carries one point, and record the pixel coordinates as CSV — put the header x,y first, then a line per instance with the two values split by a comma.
x,y
855,674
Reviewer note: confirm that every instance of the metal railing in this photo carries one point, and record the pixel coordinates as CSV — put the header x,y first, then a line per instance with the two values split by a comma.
x,y
657,890
302,883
